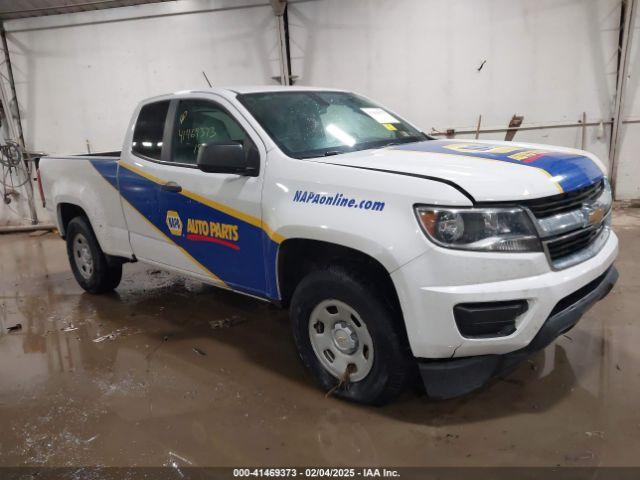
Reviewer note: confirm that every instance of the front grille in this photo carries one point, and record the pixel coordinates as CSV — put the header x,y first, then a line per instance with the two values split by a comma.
x,y
564,202
574,242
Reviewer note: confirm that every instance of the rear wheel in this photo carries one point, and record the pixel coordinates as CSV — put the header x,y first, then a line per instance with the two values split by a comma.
x,y
90,266
348,336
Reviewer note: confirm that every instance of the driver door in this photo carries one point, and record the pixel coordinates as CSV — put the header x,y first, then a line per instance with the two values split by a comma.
x,y
212,219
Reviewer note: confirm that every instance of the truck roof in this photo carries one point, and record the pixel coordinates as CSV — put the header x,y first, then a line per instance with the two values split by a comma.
x,y
277,88
241,89
232,91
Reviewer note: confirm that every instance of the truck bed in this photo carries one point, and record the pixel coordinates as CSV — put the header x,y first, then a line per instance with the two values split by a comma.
x,y
88,182
99,154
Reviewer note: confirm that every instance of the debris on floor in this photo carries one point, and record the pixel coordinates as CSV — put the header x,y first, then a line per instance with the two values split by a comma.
x,y
110,336
175,464
115,334
157,347
69,328
199,352
226,322
15,328
595,433
344,380
180,457
580,456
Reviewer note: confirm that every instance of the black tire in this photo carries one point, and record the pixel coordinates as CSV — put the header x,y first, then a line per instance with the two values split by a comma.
x,y
105,276
392,366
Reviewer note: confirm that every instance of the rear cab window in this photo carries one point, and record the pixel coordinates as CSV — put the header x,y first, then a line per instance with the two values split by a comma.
x,y
149,130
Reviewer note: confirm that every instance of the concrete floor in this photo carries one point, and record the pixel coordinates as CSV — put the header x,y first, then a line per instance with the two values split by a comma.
x,y
198,376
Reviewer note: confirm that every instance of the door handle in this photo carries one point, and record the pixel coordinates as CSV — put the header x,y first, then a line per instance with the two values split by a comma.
x,y
171,187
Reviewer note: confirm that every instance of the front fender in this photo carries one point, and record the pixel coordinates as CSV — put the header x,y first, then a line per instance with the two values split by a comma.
x,y
368,211
385,254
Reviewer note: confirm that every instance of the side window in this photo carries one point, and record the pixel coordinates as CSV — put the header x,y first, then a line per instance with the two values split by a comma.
x,y
201,121
147,135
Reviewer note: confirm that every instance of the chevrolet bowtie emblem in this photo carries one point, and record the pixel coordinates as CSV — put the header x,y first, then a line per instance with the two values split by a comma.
x,y
595,216
592,215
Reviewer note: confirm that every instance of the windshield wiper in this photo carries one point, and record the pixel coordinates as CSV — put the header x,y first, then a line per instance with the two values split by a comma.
x,y
331,152
402,141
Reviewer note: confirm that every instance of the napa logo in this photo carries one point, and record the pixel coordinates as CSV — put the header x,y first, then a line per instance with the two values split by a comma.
x,y
510,152
174,223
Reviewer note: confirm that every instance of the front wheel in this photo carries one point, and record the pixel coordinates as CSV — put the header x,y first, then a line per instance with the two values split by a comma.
x,y
350,339
89,264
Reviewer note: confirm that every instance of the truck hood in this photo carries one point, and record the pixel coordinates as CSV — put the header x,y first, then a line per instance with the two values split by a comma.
x,y
485,170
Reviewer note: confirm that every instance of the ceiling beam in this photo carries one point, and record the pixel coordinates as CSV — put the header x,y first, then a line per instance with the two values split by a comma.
x,y
57,7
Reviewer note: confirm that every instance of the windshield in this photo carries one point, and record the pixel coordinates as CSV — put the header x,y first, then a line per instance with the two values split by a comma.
x,y
308,124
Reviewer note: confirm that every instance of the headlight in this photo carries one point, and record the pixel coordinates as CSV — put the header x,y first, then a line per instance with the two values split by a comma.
x,y
485,229
605,200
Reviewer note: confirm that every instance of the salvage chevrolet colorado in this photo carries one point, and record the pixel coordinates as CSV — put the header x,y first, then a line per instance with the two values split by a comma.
x,y
396,253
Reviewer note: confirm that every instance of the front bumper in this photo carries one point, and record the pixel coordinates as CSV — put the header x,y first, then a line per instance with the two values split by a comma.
x,y
430,286
453,377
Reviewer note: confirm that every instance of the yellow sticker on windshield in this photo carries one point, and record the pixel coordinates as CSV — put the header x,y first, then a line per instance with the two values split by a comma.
x,y
389,126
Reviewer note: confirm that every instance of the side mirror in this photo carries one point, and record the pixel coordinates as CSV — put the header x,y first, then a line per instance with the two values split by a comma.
x,y
228,157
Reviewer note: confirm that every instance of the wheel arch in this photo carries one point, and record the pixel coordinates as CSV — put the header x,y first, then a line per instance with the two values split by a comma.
x,y
67,211
299,256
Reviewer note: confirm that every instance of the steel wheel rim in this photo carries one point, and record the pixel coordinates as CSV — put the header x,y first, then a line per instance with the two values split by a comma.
x,y
82,256
341,340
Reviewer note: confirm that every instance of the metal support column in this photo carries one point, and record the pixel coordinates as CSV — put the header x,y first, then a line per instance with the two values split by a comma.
x,y
280,8
14,124
628,9
12,84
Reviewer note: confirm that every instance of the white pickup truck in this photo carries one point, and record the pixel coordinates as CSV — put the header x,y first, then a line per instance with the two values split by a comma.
x,y
396,253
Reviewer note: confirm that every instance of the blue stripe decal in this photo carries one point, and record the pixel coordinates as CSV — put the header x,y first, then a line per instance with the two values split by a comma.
x,y
108,168
240,254
569,171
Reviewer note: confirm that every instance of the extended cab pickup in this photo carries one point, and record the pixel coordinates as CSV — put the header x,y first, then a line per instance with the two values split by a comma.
x,y
396,253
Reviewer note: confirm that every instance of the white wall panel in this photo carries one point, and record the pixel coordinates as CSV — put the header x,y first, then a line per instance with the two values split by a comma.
x,y
79,76
549,60
78,83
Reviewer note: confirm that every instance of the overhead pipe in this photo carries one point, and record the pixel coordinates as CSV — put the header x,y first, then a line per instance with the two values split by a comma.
x,y
531,127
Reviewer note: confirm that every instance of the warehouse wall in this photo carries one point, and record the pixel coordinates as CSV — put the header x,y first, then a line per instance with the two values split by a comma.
x,y
79,83
549,60
78,76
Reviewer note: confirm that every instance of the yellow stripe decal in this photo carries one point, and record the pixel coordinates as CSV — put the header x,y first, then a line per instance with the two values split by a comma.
x,y
169,240
256,222
187,254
